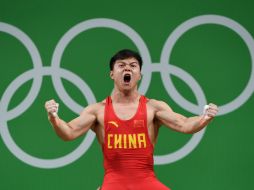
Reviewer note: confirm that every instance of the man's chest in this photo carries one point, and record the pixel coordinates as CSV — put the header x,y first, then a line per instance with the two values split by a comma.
x,y
125,112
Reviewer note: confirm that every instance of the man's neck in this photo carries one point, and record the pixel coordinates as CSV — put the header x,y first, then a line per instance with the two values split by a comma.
x,y
125,96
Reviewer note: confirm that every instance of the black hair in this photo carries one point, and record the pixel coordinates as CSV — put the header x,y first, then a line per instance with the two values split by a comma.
x,y
125,54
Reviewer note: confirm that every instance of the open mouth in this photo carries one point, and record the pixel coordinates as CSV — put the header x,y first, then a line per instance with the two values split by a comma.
x,y
127,78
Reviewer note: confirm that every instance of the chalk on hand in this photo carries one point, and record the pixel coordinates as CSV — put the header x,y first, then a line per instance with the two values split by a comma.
x,y
54,114
206,107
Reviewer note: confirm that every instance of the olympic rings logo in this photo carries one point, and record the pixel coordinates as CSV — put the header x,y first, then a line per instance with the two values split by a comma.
x,y
164,67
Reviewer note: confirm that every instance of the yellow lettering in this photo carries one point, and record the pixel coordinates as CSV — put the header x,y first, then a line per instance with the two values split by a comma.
x,y
118,141
132,141
127,141
109,137
141,139
124,141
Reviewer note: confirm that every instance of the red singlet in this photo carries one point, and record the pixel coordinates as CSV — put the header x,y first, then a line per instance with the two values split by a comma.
x,y
128,151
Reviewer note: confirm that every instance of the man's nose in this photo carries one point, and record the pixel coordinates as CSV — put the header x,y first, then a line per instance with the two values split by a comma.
x,y
127,67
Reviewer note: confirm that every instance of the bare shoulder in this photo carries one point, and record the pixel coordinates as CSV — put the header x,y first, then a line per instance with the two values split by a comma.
x,y
157,104
95,108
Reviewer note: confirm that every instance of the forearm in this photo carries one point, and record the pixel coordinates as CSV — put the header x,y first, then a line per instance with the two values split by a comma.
x,y
62,129
195,124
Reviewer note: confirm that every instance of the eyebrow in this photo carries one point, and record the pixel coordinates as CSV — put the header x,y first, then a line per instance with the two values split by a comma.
x,y
127,63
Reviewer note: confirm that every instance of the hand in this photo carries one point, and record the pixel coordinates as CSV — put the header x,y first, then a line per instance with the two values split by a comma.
x,y
51,107
210,111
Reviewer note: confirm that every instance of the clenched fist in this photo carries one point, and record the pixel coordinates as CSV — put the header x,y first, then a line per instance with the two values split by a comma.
x,y
51,107
210,111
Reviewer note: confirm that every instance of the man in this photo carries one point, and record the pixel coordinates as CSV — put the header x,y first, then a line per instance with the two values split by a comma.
x,y
126,125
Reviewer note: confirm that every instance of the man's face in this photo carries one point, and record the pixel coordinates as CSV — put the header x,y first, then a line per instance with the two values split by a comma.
x,y
126,73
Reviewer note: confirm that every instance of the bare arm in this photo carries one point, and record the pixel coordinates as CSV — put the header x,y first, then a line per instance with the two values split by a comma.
x,y
180,123
74,128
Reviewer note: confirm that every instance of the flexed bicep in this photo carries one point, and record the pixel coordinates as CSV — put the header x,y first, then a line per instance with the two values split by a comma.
x,y
166,116
180,123
84,122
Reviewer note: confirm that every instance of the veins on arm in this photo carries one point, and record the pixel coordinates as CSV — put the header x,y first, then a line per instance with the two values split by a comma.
x,y
176,121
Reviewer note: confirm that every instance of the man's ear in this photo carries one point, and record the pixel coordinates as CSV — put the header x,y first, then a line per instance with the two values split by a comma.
x,y
111,74
140,76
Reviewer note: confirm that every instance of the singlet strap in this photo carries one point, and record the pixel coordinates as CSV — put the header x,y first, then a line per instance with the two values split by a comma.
x,y
106,110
